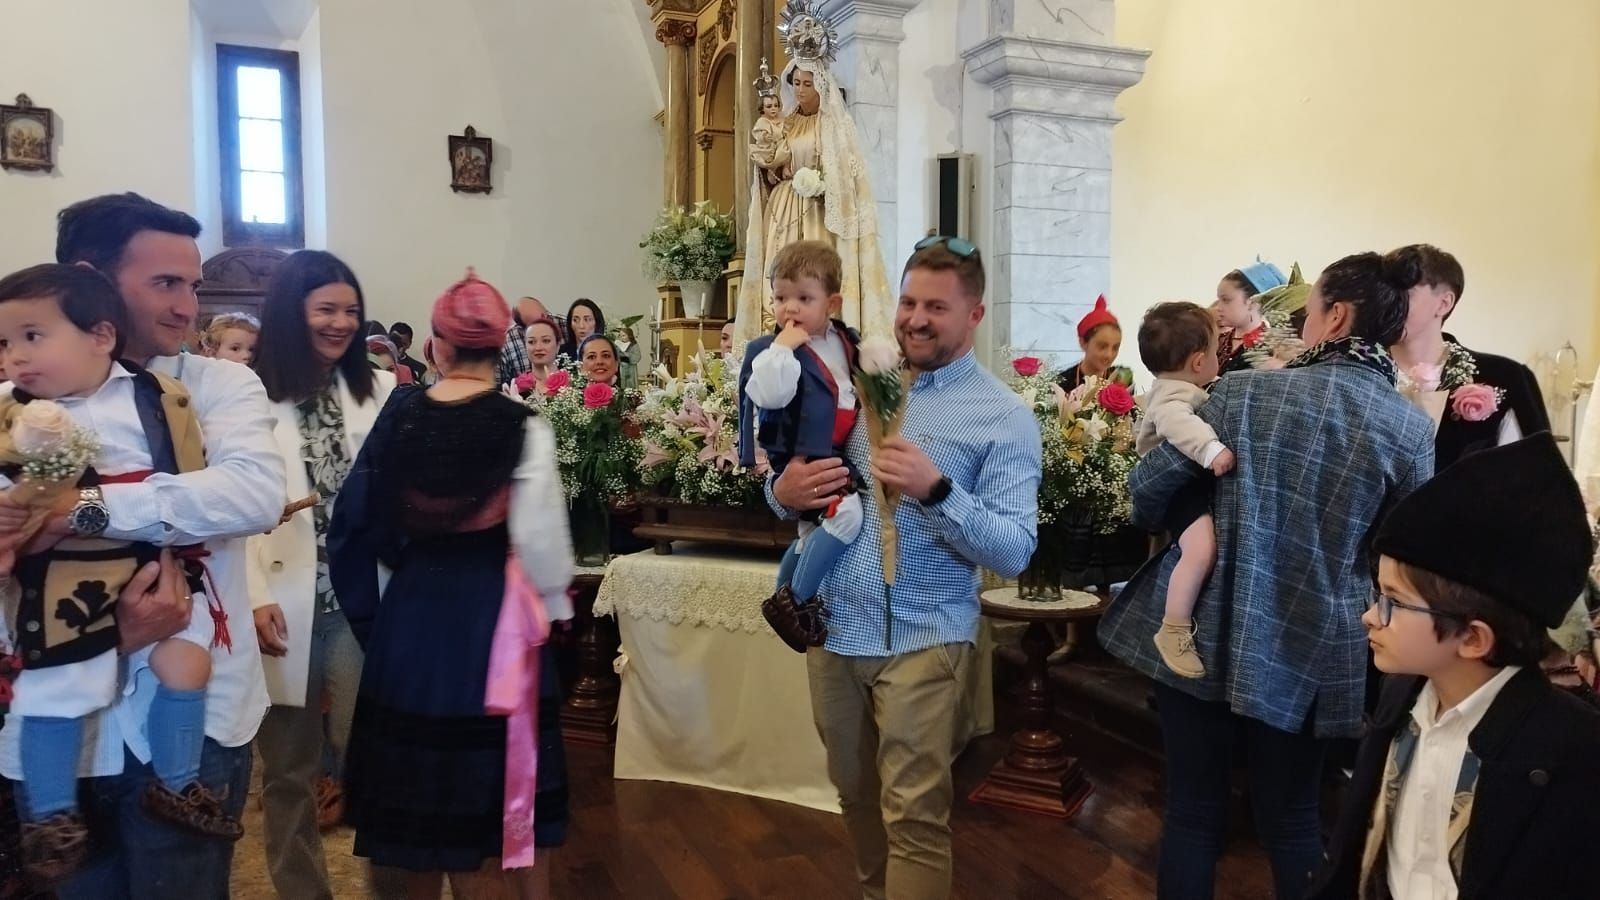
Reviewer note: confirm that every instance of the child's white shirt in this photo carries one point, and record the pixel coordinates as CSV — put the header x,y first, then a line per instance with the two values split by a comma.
x,y
775,372
1169,415
75,689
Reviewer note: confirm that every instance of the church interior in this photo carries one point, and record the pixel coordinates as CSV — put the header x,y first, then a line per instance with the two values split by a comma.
x,y
1131,150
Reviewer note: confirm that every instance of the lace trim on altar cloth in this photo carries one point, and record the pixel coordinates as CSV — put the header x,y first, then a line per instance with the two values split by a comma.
x,y
701,590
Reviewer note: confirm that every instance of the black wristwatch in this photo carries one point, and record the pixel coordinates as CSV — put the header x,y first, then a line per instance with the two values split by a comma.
x,y
940,491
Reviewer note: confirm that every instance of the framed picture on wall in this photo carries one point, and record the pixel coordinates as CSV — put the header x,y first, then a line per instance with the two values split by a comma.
x,y
26,136
470,159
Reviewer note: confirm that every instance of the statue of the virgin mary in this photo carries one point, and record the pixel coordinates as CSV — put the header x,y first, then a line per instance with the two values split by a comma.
x,y
812,184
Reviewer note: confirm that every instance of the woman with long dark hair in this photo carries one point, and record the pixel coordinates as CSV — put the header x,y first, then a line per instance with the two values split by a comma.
x,y
457,494
1323,448
584,318
325,397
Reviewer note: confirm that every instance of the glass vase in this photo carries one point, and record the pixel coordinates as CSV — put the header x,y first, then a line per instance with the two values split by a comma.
x,y
1041,580
590,519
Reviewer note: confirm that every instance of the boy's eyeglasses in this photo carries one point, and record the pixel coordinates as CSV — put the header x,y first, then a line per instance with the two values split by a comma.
x,y
959,246
1386,606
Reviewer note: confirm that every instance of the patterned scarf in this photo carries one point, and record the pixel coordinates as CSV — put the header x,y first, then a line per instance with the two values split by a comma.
x,y
1351,349
1375,855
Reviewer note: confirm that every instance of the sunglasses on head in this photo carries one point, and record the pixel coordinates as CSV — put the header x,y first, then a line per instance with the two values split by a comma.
x,y
959,246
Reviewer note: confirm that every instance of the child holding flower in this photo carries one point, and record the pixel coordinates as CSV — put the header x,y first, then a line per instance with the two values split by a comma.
x,y
62,329
1178,342
799,402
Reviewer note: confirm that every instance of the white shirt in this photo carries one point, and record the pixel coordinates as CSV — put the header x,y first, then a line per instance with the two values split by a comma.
x,y
1418,840
239,493
1169,415
775,372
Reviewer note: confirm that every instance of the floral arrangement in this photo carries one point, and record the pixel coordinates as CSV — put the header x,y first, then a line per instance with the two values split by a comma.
x,y
597,449
689,244
882,382
1088,441
810,183
690,433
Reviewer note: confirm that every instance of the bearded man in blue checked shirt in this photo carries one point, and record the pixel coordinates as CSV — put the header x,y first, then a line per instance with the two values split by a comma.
x,y
885,688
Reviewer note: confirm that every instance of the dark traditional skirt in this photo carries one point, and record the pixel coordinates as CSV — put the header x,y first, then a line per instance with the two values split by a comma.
x,y
425,774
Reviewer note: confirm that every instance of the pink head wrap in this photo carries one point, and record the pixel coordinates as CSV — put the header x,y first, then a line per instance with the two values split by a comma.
x,y
471,314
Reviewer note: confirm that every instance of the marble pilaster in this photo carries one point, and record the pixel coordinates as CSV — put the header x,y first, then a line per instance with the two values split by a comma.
x,y
678,35
868,68
1053,109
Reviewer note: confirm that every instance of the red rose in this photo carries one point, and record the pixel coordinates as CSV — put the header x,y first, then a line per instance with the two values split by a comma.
x,y
523,383
597,395
557,380
1026,366
1115,398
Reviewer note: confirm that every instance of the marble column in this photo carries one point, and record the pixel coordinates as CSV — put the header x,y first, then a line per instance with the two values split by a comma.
x,y
1053,112
868,68
678,35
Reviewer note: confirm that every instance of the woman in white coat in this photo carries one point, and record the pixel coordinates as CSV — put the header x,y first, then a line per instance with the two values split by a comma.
x,y
325,397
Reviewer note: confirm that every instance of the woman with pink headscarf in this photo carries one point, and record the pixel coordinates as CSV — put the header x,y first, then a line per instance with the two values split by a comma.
x,y
456,498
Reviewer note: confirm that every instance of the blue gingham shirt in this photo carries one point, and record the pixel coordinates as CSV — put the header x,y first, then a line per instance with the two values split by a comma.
x,y
982,438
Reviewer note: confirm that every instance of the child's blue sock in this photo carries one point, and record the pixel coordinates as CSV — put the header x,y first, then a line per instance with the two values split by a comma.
x,y
177,735
49,747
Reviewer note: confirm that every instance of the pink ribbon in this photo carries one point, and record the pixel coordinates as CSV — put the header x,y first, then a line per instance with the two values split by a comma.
x,y
513,692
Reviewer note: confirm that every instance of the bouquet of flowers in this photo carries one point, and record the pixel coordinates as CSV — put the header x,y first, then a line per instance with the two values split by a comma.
x,y
52,452
1087,437
1279,306
810,183
689,244
882,382
595,451
689,429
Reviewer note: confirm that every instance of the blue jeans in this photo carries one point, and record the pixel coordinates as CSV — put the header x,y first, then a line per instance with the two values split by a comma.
x,y
133,856
1285,772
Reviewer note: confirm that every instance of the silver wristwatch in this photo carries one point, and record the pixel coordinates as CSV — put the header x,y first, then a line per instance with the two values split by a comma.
x,y
89,518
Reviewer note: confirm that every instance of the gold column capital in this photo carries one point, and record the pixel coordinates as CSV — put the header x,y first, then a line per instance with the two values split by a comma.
x,y
676,32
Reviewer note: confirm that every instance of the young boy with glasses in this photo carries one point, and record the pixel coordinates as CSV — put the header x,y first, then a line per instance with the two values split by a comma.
x,y
1477,778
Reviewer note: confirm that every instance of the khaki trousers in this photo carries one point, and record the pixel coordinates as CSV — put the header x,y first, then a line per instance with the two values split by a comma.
x,y
889,725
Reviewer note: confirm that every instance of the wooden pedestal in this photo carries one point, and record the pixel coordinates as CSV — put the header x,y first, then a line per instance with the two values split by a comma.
x,y
590,713
1037,774
665,520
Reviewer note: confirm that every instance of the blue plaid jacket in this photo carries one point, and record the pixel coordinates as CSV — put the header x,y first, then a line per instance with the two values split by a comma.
x,y
1322,453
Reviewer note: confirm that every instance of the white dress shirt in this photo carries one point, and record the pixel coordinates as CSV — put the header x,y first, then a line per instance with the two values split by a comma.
x,y
775,372
239,493
1419,843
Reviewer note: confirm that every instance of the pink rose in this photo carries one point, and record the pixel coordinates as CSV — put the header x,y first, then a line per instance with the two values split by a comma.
x,y
1114,398
597,395
1474,402
557,380
1026,366
523,383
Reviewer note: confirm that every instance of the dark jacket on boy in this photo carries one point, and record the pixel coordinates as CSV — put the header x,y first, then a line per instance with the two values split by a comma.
x,y
1535,812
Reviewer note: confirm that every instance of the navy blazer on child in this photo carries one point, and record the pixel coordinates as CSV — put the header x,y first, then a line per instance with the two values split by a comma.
x,y
805,426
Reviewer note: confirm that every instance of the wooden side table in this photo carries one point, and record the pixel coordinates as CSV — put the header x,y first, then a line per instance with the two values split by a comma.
x,y
1036,774
590,713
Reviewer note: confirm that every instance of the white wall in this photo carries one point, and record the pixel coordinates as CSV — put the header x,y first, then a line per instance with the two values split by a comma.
x,y
118,76
1303,129
577,159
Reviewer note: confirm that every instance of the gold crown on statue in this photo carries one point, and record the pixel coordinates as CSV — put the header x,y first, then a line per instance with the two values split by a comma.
x,y
807,36
767,84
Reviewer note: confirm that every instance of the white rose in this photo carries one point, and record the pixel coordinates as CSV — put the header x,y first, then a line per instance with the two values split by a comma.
x,y
878,355
41,428
808,183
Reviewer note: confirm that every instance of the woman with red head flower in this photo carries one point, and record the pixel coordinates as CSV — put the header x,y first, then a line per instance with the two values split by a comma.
x,y
456,493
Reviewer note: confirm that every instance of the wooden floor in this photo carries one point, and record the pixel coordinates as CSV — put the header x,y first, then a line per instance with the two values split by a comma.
x,y
644,840
653,840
